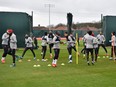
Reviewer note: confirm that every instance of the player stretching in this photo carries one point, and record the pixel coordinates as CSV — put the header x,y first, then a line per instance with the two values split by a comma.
x,y
29,45
50,40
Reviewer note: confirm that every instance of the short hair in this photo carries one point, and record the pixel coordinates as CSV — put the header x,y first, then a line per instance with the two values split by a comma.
x,y
90,32
113,33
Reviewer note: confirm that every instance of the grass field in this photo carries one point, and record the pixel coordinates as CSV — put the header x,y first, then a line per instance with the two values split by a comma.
x,y
102,74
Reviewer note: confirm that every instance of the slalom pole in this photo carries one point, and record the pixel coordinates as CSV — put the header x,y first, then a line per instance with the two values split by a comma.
x,y
77,61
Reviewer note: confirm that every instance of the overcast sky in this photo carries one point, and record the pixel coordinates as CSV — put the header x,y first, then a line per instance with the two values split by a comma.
x,y
82,10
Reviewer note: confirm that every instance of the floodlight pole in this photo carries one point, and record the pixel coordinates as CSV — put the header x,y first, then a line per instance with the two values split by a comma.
x,y
49,7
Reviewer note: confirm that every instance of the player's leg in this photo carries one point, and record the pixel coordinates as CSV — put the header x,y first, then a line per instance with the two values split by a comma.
x,y
13,55
4,53
92,56
24,52
87,56
104,48
33,52
74,48
56,51
111,57
50,48
70,54
96,54
44,52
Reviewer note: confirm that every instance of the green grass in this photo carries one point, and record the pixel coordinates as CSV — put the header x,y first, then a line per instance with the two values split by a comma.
x,y
102,74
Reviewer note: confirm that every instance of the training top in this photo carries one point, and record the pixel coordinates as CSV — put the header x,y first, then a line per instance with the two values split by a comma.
x,y
50,38
101,39
44,41
5,38
29,42
56,42
95,42
89,41
84,38
13,41
70,41
113,40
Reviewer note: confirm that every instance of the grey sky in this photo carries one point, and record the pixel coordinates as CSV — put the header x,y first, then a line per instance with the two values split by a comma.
x,y
82,10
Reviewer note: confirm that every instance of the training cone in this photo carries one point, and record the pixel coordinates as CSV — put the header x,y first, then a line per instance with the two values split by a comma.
x,y
62,64
34,65
28,60
37,59
98,57
38,65
103,56
20,60
49,64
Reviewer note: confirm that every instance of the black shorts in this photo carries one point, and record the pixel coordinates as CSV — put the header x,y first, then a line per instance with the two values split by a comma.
x,y
89,50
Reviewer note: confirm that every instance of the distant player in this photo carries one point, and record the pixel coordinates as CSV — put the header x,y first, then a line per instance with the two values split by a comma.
x,y
13,45
113,44
56,47
84,49
29,46
95,46
50,40
35,43
70,45
44,46
101,40
5,45
89,47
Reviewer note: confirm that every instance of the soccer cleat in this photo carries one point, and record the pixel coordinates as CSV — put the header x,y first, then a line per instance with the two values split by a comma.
x,y
92,62
54,65
43,60
3,61
88,64
110,58
34,58
70,61
13,65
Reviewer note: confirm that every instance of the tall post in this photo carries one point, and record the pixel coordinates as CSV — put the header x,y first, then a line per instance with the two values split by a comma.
x,y
49,7
69,22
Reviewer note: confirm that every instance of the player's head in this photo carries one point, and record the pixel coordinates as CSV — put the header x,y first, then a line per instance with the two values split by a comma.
x,y
100,33
26,35
71,34
50,31
90,32
113,33
57,33
9,31
93,34
65,34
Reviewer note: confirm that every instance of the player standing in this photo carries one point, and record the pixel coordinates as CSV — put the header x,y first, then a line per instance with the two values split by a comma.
x,y
56,47
44,46
70,45
101,40
89,47
113,44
